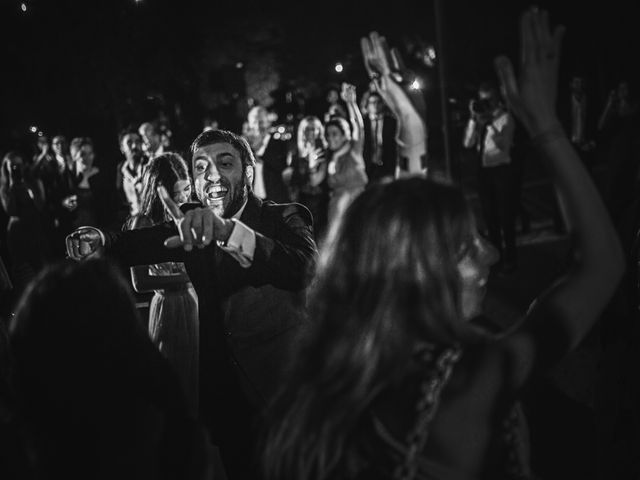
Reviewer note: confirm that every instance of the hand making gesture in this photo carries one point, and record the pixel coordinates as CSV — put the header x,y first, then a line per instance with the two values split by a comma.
x,y
197,227
532,96
388,73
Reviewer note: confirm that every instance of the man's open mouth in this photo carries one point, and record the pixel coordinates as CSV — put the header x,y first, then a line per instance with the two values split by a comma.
x,y
217,192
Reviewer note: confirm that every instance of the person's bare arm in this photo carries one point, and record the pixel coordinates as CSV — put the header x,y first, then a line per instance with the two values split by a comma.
x,y
355,117
383,64
560,318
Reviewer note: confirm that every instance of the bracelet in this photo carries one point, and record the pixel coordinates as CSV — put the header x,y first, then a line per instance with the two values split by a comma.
x,y
547,136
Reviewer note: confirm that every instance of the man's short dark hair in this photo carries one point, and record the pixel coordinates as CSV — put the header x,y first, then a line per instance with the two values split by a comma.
x,y
211,137
79,142
126,131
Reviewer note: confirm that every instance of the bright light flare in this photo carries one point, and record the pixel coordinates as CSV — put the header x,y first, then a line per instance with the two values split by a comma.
x,y
339,68
23,7
415,85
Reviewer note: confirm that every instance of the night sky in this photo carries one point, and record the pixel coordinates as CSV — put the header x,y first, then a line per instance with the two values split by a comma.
x,y
89,67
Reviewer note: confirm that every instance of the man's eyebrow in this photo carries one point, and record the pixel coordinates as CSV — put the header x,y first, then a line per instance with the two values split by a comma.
x,y
224,155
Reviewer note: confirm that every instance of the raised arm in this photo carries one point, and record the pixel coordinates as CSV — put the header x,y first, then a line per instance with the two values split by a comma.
x,y
355,117
472,130
560,318
383,66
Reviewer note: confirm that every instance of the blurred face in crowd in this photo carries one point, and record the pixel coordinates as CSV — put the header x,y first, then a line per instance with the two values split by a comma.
x,y
150,137
374,105
491,96
131,146
43,144
15,162
476,257
333,96
577,85
258,119
219,178
83,156
58,145
181,191
311,132
335,137
623,91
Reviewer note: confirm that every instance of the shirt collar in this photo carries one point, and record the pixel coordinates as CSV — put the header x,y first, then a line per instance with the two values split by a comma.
x,y
238,214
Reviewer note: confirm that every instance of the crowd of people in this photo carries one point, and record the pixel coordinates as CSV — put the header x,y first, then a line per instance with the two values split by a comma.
x,y
317,301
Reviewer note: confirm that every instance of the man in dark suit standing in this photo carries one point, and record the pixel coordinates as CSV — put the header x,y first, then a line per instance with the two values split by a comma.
x,y
271,157
578,120
248,261
380,148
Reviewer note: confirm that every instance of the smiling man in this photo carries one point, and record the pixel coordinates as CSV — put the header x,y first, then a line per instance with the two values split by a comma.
x,y
249,261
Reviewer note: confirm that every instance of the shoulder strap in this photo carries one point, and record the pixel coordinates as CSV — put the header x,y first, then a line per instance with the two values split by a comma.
x,y
427,406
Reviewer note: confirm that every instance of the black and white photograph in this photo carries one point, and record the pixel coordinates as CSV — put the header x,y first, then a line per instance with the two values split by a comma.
x,y
338,240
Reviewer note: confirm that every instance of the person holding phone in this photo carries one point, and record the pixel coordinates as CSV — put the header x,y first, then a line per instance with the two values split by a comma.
x,y
308,182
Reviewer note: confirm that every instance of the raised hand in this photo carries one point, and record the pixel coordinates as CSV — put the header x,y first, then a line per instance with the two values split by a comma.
x,y
383,65
532,95
83,243
389,75
197,227
348,93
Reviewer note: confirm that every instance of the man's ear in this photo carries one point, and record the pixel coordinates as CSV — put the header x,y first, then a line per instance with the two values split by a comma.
x,y
248,171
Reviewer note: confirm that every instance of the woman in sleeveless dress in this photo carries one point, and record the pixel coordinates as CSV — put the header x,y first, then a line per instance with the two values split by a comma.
x,y
309,172
346,174
398,377
173,312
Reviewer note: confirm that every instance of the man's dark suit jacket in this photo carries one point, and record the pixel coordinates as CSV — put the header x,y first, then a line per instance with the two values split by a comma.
x,y
249,317
274,162
389,149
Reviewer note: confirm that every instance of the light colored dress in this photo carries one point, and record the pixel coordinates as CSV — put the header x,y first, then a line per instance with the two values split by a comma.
x,y
174,327
347,178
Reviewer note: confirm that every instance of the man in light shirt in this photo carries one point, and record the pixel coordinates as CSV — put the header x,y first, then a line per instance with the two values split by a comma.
x,y
490,133
129,173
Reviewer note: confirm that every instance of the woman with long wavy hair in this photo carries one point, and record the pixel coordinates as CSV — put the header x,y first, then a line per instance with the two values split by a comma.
x,y
173,311
398,378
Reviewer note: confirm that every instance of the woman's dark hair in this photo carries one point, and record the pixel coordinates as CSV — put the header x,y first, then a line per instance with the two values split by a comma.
x,y
387,285
86,373
74,315
165,170
341,124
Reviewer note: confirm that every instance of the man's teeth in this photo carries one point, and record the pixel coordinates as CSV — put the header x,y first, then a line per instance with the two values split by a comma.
x,y
216,192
